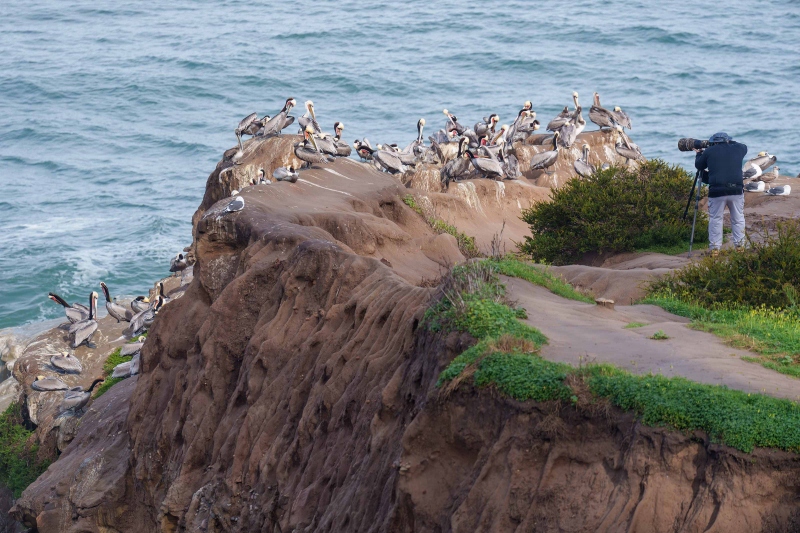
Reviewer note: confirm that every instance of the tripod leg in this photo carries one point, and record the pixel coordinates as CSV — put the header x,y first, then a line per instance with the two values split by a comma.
x,y
691,194
694,220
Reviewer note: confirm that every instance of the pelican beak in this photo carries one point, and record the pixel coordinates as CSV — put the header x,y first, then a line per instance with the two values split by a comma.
x,y
311,137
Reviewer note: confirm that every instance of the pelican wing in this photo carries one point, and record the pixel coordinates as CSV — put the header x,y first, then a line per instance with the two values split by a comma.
x,y
82,332
246,122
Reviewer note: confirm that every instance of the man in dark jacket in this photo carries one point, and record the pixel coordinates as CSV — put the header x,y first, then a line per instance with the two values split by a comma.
x,y
723,159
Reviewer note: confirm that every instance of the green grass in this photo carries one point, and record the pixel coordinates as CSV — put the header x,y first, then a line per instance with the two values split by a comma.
x,y
659,336
465,243
114,358
18,465
674,249
772,333
107,384
540,276
506,358
631,325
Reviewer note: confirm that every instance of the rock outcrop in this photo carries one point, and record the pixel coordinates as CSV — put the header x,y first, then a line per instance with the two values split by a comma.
x,y
292,388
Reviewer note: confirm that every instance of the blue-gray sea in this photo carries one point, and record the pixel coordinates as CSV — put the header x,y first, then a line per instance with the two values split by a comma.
x,y
112,114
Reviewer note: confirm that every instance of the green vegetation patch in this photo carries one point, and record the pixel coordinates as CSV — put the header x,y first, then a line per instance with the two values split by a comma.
x,y
738,419
616,210
540,276
748,297
18,464
466,244
660,336
632,325
506,357
114,358
765,273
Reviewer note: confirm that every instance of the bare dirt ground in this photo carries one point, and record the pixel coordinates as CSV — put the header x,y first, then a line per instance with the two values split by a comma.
x,y
581,333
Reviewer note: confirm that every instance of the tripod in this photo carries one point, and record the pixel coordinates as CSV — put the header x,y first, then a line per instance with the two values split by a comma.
x,y
695,187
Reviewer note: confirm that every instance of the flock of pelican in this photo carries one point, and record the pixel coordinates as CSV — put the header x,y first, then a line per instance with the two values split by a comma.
x,y
483,151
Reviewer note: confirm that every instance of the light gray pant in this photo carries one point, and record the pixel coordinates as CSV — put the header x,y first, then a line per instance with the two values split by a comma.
x,y
716,207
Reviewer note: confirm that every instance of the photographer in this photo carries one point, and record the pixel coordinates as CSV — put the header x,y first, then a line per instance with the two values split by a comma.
x,y
723,158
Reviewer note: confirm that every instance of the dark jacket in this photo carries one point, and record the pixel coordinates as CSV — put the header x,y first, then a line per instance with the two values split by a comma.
x,y
724,164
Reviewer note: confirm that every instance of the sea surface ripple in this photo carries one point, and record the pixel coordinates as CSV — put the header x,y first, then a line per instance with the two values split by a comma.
x,y
113,114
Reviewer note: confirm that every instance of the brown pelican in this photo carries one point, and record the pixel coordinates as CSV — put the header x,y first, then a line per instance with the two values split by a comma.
x,y
43,384
75,399
308,151
66,363
780,190
276,124
406,157
487,126
545,160
342,148
140,303
582,165
142,321
762,161
459,167
600,115
565,116
570,131
243,127
363,149
179,262
114,309
285,174
453,126
81,332
388,161
75,312
326,144
486,167
308,118
237,204
621,118
626,148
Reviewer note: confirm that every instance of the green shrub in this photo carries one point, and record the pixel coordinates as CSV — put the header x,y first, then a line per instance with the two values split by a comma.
x,y
767,273
18,464
616,210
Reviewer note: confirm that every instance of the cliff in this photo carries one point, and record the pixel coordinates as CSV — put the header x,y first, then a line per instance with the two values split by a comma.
x,y
292,388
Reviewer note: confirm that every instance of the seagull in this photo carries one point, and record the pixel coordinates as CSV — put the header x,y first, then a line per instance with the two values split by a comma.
x,y
237,204
781,190
285,174
772,176
755,186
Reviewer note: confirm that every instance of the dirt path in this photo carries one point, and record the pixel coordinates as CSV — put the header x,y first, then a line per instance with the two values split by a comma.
x,y
580,333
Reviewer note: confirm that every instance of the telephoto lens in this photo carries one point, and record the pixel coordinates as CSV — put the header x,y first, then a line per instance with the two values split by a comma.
x,y
688,144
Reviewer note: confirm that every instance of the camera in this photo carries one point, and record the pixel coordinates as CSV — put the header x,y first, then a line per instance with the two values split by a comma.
x,y
688,144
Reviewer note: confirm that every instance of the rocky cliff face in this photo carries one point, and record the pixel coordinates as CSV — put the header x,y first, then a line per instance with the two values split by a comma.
x,y
292,389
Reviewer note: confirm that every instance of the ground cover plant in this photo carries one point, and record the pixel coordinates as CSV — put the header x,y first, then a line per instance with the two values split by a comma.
x,y
113,360
748,297
466,244
618,209
510,266
506,357
18,464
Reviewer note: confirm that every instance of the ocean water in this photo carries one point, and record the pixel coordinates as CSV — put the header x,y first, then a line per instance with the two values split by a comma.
x,y
113,114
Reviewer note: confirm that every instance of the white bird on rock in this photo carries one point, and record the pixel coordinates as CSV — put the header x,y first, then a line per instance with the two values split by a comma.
x,y
237,204
780,190
755,186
